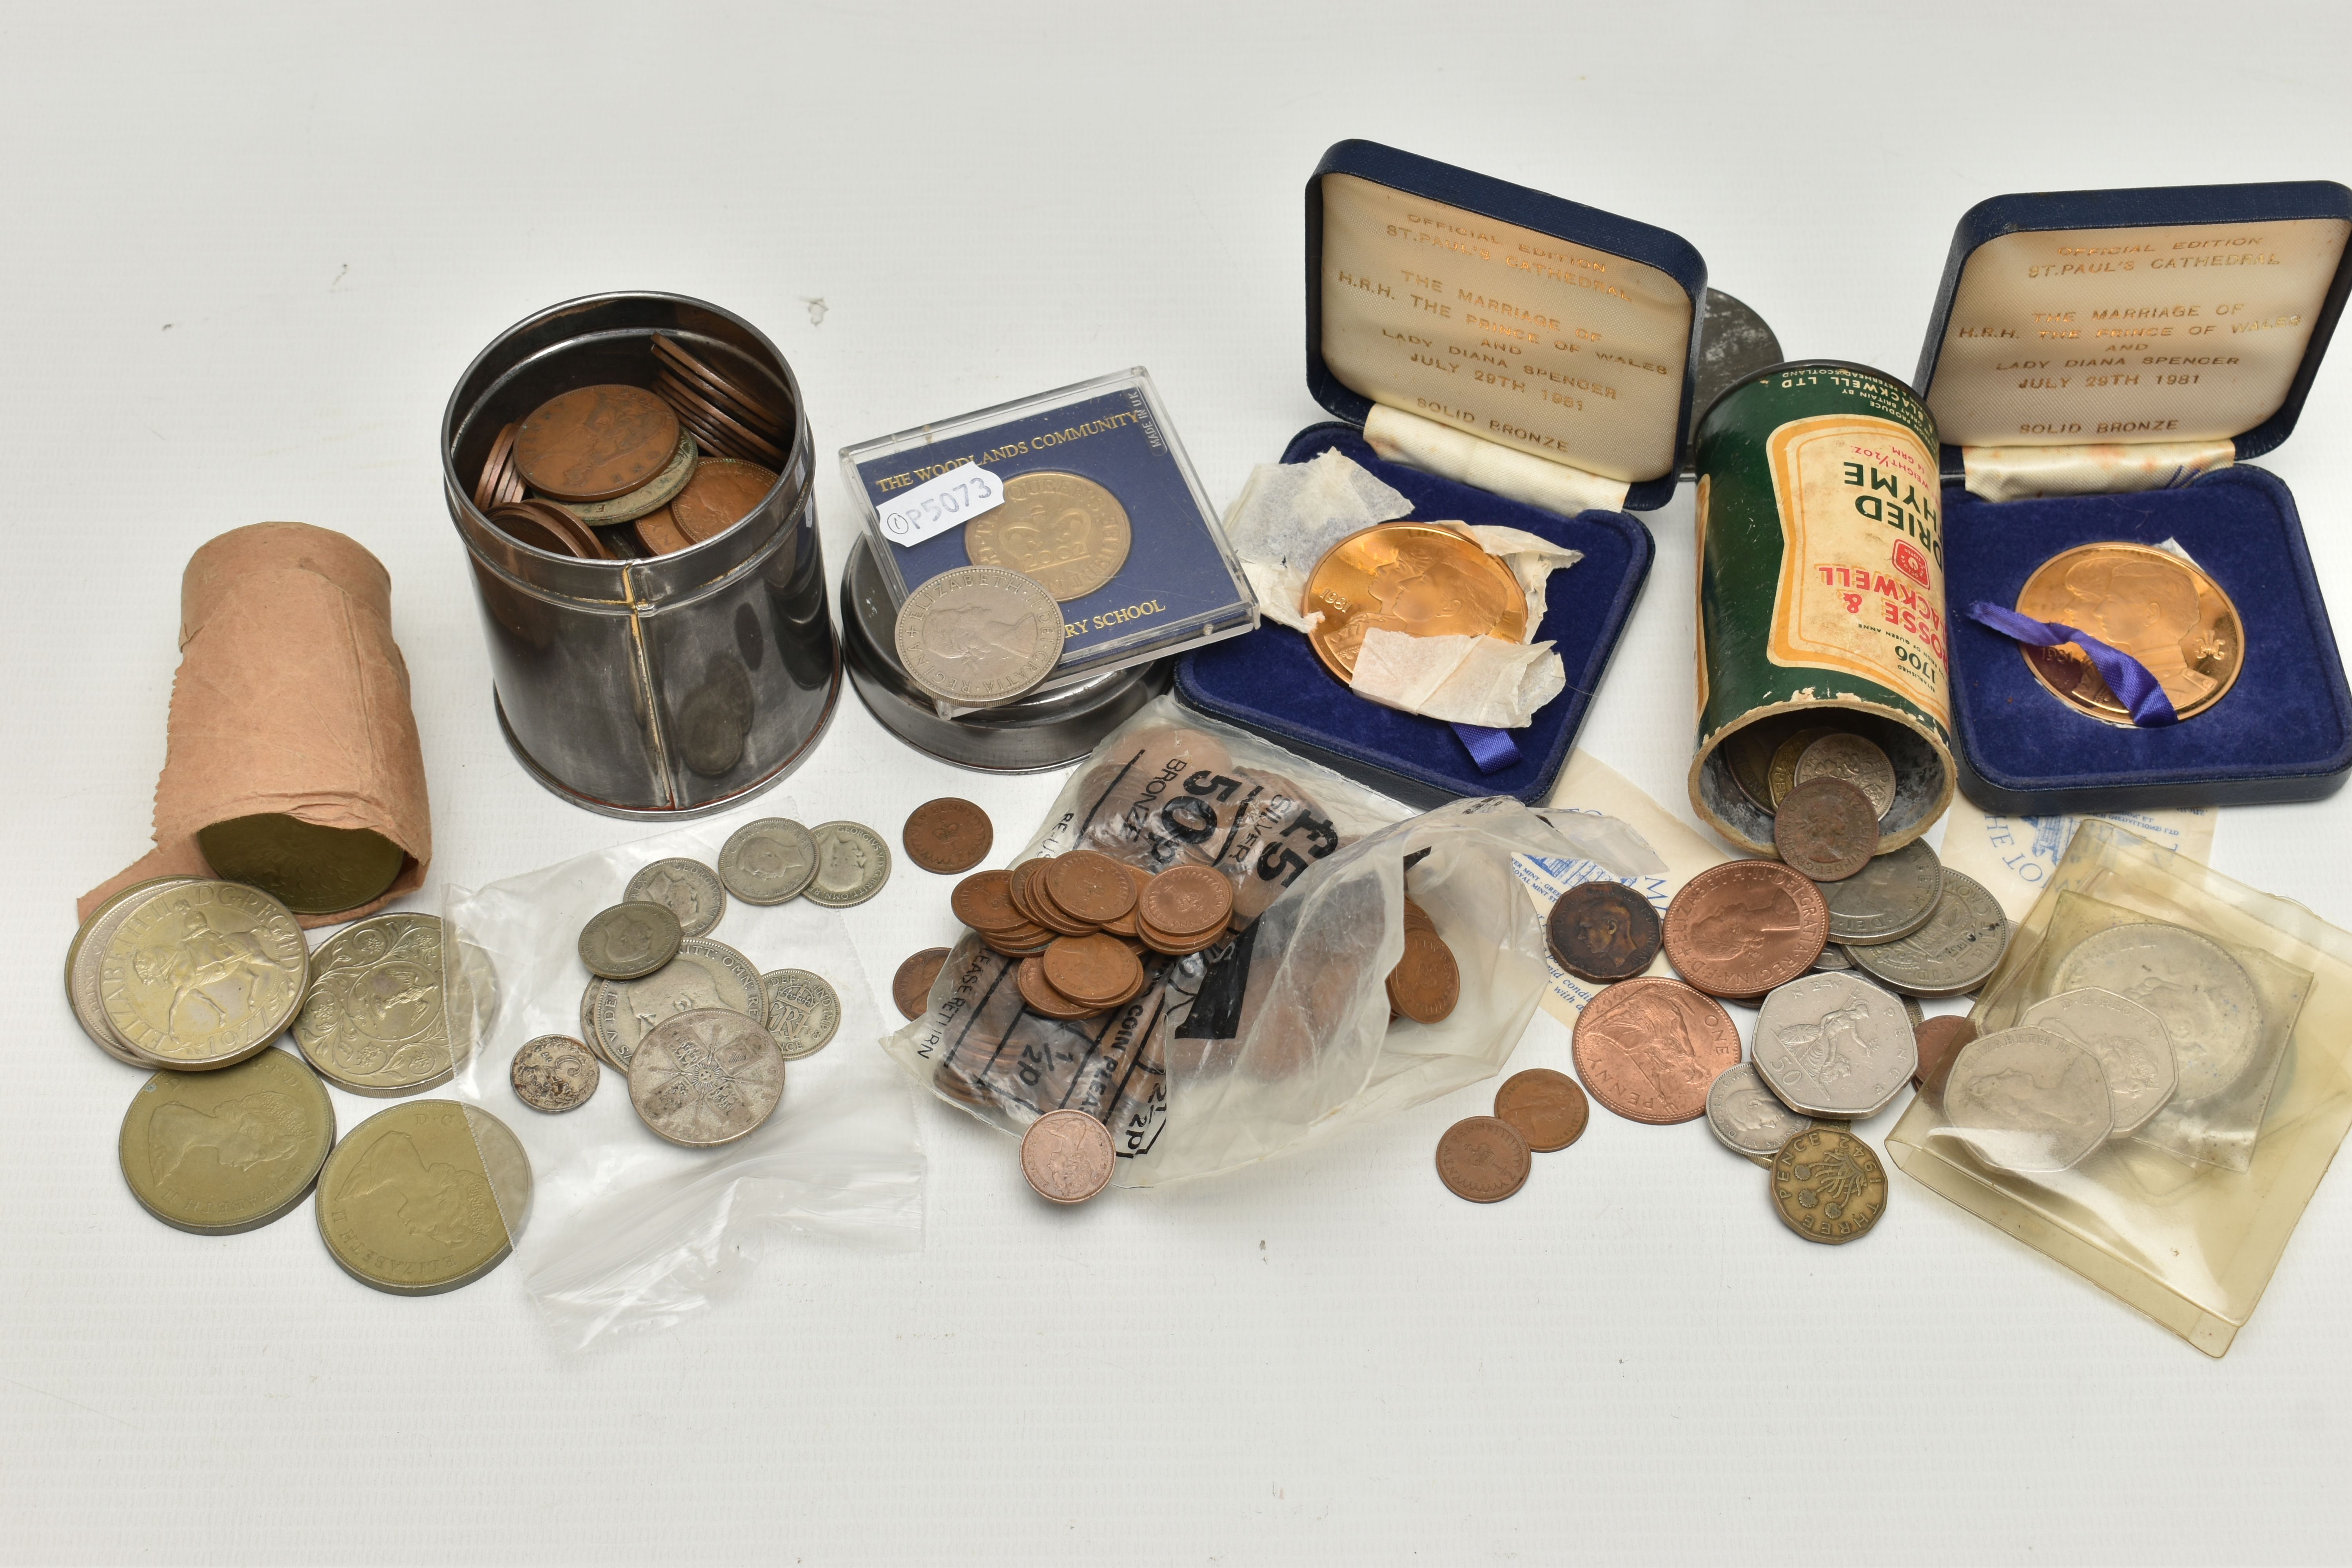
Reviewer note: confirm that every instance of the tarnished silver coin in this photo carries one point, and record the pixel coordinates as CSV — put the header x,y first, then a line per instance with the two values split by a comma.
x,y
2133,1051
202,974
706,1078
2028,1100
588,1018
1748,1118
802,1011
1956,951
632,938
1834,1045
979,635
1858,762
554,1073
705,975
1892,897
2211,1013
1832,961
769,861
84,956
852,862
375,1020
688,888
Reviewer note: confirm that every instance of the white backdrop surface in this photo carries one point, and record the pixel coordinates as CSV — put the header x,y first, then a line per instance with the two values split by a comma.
x,y
248,253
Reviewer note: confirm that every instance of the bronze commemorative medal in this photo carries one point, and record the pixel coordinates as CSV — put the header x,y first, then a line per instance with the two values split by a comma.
x,y
1068,533
1603,931
2162,610
595,443
1408,577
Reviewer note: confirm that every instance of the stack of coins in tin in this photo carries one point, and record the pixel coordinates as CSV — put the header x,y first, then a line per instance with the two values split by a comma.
x,y
615,470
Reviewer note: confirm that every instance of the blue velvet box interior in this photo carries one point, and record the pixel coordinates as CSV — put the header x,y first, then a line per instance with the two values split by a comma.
x,y
1272,682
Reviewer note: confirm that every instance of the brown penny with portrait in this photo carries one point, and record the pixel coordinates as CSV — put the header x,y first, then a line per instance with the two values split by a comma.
x,y
1650,1049
722,493
1068,1156
1741,929
947,835
596,443
1091,971
1187,901
1090,886
910,988
1940,1039
1482,1158
1426,983
1827,828
1547,1108
695,411
1603,931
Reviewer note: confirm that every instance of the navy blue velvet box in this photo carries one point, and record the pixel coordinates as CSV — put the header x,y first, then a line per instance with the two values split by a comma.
x,y
1270,681
2202,284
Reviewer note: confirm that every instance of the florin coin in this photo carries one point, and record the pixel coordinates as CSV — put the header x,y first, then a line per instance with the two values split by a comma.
x,y
554,1073
2205,997
705,975
1939,1040
770,861
706,1078
1068,1156
1748,1118
203,973
2134,1052
1068,532
2156,607
1834,1045
419,1198
979,635
632,938
2029,1100
1482,1158
688,888
1547,1108
1649,1048
1410,578
374,1022
595,443
910,988
1826,828
803,1012
1603,931
1828,1185
947,836
310,869
1892,897
84,957
1856,761
1785,757
851,863
218,1152
1956,951
1740,929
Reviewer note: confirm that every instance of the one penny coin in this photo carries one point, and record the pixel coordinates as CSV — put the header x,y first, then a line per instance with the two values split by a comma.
x,y
1940,1039
910,988
658,531
1482,1158
595,443
1068,1156
1603,931
1416,918
696,409
1547,1108
1740,929
947,835
1427,984
1090,886
722,493
1827,828
1649,1049
1828,1185
1186,901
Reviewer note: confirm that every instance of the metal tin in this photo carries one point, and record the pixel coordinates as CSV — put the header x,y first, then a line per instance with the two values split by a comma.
x,y
1820,585
1044,730
655,688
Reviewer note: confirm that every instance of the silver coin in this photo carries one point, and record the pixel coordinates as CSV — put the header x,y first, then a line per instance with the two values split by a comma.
x,y
1747,1117
1956,951
802,1011
706,1078
852,862
1892,897
1832,961
1856,761
705,975
979,635
768,861
2029,1100
2206,998
588,1018
554,1073
375,1021
688,888
202,974
1834,1045
85,957
632,938
2133,1051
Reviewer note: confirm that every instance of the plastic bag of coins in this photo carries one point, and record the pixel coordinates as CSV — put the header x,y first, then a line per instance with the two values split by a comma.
x,y
1217,948
2160,1073
1086,492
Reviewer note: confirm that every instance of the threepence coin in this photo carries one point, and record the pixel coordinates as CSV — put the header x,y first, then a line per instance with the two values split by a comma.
x,y
1833,1045
1603,931
1482,1158
1068,532
769,861
802,1011
705,975
2029,1100
2133,1049
2205,997
218,1152
1748,1118
84,956
1066,1156
706,1078
979,635
374,1022
851,863
1888,899
1547,1108
1828,1185
1648,1048
1858,762
203,975
688,888
1956,951
632,938
419,1199
554,1073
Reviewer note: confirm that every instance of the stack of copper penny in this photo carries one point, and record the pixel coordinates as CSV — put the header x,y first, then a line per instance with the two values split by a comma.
x,y
1081,923
1426,983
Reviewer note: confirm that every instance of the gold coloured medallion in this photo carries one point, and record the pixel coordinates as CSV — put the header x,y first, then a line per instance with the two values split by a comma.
x,y
1407,577
1066,534
219,1152
420,1198
2162,610
203,975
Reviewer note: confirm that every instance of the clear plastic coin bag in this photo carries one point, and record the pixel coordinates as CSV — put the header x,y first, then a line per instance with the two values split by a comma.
x,y
627,1231
2161,1074
1281,1032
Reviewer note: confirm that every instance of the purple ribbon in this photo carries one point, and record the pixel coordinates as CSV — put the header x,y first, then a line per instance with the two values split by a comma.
x,y
1492,750
2127,677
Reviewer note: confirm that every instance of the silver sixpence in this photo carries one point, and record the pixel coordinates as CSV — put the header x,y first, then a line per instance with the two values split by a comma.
x,y
632,938
802,1011
688,888
2206,998
84,957
554,1073
1956,951
852,862
768,861
1834,1045
375,1021
706,1078
1858,762
979,635
2133,1051
1748,1118
2028,1100
1892,897
705,975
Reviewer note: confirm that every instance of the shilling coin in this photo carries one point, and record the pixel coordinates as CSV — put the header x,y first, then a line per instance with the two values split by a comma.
x,y
769,861
1828,1185
2133,1049
203,973
802,1011
375,1021
420,1198
2029,1100
633,937
1482,1158
218,1152
851,863
1892,897
1068,1156
1603,931
1826,828
1833,1045
704,975
1068,532
689,889
979,635
2162,610
554,1073
1748,1118
83,959
2207,1003
1858,762
706,1078
1956,951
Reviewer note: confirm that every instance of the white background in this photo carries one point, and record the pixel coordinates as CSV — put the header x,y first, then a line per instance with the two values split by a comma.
x,y
244,256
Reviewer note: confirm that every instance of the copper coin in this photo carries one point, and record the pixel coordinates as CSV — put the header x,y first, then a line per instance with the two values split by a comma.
x,y
1022,871
1426,983
1042,999
1650,1049
562,519
693,367
595,443
494,470
1416,918
1827,828
1741,929
1413,577
1091,971
1482,1158
1048,912
1547,1108
984,902
1124,925
526,527
1940,1039
1090,887
1188,900
950,835
1603,931
911,986
1175,946
1068,1156
1029,941
709,437
658,531
690,401
722,493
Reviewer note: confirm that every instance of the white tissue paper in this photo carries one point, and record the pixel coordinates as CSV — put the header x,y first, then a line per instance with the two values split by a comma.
x,y
1527,557
1460,678
1290,513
